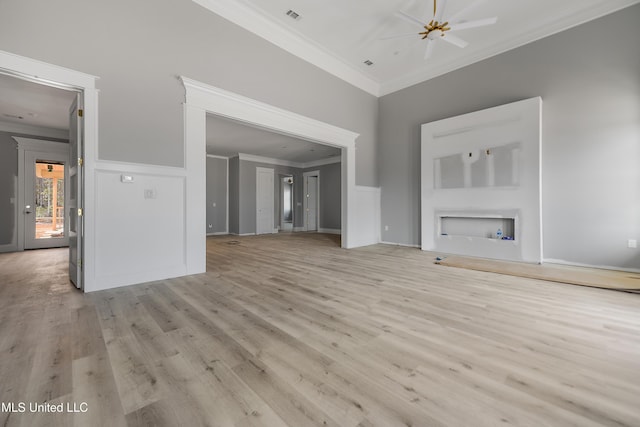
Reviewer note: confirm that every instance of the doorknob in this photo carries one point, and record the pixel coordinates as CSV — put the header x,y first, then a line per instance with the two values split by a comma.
x,y
27,209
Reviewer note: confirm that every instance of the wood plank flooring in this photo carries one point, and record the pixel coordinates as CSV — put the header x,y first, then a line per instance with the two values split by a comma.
x,y
291,330
581,276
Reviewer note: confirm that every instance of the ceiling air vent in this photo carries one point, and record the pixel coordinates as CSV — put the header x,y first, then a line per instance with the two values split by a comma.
x,y
293,15
368,63
13,116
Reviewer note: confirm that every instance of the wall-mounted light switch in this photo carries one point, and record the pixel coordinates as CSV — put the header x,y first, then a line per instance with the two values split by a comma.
x,y
632,243
214,204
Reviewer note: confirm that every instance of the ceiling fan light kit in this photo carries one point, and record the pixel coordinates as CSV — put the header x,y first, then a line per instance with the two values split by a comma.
x,y
439,29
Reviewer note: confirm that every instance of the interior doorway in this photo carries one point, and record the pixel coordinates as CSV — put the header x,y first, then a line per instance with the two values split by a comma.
x,y
287,212
311,200
202,99
39,126
264,200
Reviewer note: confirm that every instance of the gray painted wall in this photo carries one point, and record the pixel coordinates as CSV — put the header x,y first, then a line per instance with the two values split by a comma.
x,y
8,183
248,194
330,212
234,195
330,195
589,81
141,117
216,193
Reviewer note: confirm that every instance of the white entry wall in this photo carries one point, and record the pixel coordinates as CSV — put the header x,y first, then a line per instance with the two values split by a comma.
x,y
480,183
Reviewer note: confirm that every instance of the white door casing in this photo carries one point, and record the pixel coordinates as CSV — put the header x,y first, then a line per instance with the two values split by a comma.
x,y
264,200
34,149
53,75
202,98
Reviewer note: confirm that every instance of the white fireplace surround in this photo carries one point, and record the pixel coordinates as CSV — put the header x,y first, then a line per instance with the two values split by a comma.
x,y
480,173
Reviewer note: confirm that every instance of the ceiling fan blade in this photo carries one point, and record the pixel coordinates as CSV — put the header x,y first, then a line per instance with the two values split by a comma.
x,y
440,7
430,45
398,36
474,24
409,18
454,40
473,6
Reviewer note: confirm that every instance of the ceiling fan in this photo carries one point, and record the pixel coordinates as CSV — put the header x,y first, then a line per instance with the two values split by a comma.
x,y
439,29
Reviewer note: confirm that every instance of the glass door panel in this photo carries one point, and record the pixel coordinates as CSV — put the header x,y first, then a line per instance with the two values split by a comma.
x,y
49,194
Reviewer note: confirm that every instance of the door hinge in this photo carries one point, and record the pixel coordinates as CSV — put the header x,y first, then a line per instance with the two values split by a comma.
x,y
80,112
80,263
80,212
80,161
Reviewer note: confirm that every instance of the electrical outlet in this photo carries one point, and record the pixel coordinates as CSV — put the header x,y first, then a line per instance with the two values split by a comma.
x,y
632,243
386,228
214,204
150,194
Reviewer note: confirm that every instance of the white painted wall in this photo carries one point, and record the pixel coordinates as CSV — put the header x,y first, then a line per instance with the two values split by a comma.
x,y
140,227
367,213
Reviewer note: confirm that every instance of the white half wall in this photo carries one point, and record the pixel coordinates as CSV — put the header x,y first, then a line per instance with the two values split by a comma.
x,y
140,225
367,214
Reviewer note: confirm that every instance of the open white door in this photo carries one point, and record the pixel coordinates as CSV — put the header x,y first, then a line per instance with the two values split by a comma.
x,y
75,193
264,200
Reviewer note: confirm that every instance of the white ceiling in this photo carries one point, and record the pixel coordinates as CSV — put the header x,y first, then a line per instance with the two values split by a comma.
x,y
228,138
339,35
30,104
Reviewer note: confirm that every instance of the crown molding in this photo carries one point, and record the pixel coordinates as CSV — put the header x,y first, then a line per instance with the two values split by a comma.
x,y
267,160
321,162
25,129
294,43
281,162
41,145
306,49
541,30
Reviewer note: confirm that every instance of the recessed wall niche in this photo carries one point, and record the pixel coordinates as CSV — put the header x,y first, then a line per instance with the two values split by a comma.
x,y
487,167
481,171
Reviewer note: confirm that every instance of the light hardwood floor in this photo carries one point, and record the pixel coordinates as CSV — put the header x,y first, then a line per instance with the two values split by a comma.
x,y
292,330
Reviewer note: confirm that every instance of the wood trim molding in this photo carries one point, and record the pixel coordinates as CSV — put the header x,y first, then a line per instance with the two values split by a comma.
x,y
281,162
40,131
202,98
53,75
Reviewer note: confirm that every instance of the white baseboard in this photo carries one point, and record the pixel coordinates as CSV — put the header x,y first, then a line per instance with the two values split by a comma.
x,y
577,264
218,233
297,229
8,248
244,234
330,230
400,244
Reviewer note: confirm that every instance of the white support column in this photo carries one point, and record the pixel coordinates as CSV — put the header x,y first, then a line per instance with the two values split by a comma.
x,y
196,210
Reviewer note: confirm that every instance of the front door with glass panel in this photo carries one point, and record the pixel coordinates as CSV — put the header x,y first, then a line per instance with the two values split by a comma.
x,y
45,200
